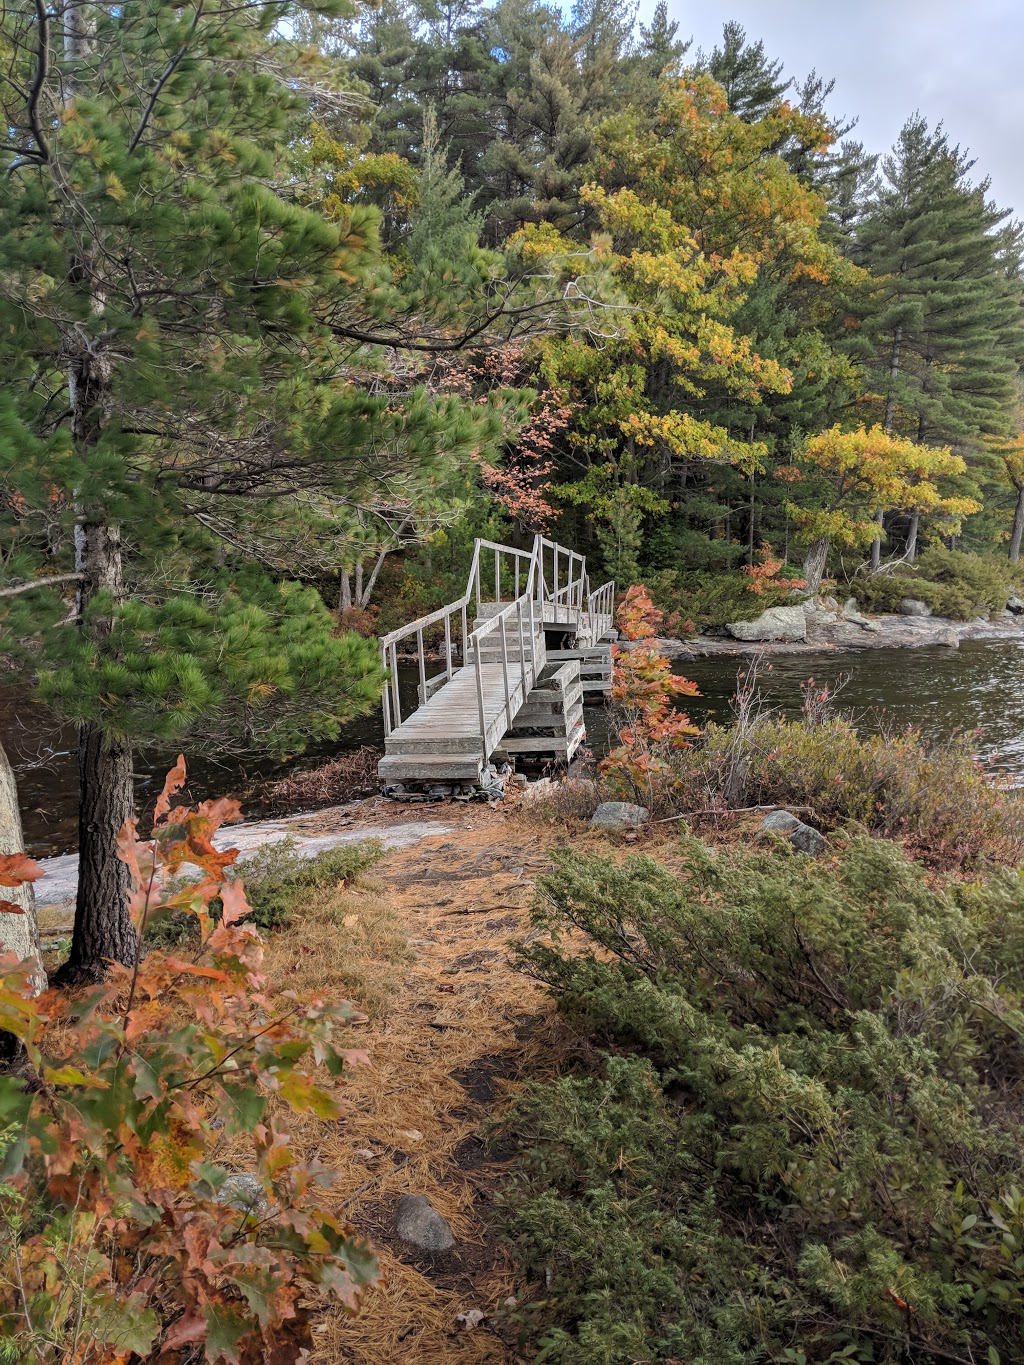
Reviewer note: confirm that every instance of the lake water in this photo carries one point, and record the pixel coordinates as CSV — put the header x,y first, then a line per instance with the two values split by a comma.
x,y
977,689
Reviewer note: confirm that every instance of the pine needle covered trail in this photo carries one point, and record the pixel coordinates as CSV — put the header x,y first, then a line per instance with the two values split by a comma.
x,y
423,949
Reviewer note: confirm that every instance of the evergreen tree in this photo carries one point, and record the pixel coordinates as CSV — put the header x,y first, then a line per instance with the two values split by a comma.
x,y
187,372
753,84
941,341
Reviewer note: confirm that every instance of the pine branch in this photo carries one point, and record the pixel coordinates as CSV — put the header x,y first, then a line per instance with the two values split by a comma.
x,y
165,76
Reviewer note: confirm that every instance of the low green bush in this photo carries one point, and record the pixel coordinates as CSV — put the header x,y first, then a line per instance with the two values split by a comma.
x,y
951,582
277,881
278,878
794,1134
708,599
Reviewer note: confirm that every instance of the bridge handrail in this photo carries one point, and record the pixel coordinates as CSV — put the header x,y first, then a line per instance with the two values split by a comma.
x,y
520,607
527,606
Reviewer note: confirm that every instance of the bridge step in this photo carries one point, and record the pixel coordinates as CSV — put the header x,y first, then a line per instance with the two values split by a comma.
x,y
430,768
551,722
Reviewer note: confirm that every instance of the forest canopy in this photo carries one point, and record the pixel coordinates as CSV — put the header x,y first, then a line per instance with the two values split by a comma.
x,y
298,298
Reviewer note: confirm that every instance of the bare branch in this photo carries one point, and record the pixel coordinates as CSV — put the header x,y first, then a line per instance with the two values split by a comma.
x,y
38,77
165,76
40,583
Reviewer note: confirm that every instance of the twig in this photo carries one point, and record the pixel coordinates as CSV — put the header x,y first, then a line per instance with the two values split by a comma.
x,y
734,810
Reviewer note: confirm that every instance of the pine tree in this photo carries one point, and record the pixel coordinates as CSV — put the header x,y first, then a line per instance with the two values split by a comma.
x,y
753,84
941,341
186,356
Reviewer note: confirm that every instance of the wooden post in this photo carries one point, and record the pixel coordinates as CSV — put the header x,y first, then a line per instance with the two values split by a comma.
x,y
480,701
394,687
386,697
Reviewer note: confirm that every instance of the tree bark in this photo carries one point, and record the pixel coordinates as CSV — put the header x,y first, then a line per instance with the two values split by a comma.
x,y
815,562
1018,526
103,928
344,590
876,544
106,800
915,522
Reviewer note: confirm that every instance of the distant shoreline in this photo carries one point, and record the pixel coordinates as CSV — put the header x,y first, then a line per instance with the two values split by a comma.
x,y
887,632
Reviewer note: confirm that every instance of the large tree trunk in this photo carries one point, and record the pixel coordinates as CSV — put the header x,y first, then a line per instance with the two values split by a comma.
x,y
815,562
103,928
887,426
19,934
1018,527
915,522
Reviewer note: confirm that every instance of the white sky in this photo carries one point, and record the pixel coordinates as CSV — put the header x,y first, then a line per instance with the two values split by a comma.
x,y
956,61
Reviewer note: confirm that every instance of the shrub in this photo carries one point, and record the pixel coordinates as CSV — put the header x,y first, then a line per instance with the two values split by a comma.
x,y
643,690
279,878
121,1235
952,583
938,798
693,602
801,1139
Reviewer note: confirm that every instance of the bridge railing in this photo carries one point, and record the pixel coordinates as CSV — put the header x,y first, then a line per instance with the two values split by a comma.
x,y
601,609
518,620
509,569
546,582
561,575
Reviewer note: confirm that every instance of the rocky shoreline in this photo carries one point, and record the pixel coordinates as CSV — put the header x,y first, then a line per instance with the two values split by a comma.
x,y
828,631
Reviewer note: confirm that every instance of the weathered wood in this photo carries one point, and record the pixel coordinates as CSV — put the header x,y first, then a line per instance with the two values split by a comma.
x,y
464,715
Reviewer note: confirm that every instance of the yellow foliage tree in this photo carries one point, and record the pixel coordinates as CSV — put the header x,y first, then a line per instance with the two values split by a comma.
x,y
866,471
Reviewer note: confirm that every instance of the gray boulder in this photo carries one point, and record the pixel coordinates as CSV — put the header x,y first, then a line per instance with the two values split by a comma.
x,y
1015,605
244,1192
619,815
419,1223
777,623
851,614
803,837
819,613
912,606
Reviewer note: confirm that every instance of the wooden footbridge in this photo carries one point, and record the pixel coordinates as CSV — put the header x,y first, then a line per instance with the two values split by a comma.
x,y
512,682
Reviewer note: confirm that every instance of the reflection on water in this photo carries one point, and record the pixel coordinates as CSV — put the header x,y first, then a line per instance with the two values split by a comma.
x,y
979,687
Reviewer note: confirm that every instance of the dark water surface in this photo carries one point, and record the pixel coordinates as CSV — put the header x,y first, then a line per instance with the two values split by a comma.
x,y
977,689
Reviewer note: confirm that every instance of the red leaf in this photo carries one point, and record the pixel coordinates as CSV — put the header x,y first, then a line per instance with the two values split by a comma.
x,y
16,869
173,783
186,1330
236,907
9,908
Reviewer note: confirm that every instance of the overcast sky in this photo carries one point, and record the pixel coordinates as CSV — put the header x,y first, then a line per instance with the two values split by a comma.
x,y
961,61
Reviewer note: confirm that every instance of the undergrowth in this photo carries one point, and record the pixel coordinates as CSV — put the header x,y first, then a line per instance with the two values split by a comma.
x,y
279,881
794,1131
951,582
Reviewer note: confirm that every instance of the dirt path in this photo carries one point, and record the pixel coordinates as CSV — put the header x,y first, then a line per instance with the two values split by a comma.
x,y
456,1033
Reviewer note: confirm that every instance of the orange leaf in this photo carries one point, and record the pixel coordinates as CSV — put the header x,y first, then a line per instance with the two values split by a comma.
x,y
16,869
173,783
